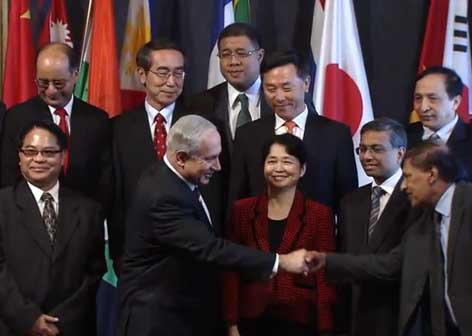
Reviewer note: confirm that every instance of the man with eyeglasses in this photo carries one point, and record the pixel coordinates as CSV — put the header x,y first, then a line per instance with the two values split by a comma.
x,y
236,101
372,220
51,244
139,135
87,163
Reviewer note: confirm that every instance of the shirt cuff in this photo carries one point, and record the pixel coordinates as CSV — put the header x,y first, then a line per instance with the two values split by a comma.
x,y
276,266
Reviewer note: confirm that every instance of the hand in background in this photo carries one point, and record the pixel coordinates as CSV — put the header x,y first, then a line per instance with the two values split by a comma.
x,y
233,330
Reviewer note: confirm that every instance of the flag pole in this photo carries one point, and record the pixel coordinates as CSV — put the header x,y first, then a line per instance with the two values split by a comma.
x,y
88,23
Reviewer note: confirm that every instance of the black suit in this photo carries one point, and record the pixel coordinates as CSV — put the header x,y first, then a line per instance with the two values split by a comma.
x,y
37,279
213,105
169,281
460,142
411,261
371,313
331,169
90,165
133,152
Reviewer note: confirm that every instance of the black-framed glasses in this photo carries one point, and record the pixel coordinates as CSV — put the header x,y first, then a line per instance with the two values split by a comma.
x,y
58,84
165,74
47,153
239,54
376,149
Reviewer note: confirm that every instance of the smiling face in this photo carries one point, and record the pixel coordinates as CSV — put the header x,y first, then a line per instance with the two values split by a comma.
x,y
282,170
285,91
432,103
378,158
40,170
161,92
240,71
200,167
418,185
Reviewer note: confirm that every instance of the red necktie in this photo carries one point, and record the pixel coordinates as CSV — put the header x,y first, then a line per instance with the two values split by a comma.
x,y
63,126
160,136
290,124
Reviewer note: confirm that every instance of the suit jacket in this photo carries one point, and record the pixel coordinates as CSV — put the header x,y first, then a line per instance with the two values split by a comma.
x,y
410,262
36,278
213,105
133,152
460,143
369,312
306,300
168,284
90,165
331,169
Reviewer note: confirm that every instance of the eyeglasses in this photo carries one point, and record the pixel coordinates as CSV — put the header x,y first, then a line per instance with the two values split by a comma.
x,y
47,153
58,84
165,74
376,149
239,54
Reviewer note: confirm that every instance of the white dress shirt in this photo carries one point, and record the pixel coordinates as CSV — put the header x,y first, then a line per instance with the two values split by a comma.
x,y
300,120
444,132
387,186
254,99
167,112
68,108
37,193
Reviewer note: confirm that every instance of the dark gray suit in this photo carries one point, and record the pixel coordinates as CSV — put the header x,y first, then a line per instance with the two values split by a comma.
x,y
371,313
37,279
411,262
169,280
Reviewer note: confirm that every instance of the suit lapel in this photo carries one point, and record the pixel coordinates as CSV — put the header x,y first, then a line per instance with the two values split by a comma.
x,y
68,221
261,224
221,111
362,213
385,225
457,218
31,217
459,133
141,134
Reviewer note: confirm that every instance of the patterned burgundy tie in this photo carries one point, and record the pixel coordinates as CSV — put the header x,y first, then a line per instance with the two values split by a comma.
x,y
160,136
63,125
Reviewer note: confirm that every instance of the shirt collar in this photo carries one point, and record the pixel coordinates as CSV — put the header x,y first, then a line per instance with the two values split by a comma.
x,y
445,202
67,107
444,132
166,112
300,119
389,184
168,164
38,192
252,93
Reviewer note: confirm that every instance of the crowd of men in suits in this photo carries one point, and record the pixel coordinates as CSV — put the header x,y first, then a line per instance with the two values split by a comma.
x,y
165,174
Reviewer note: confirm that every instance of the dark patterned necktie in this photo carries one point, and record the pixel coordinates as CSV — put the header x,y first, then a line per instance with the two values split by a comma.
x,y
160,136
243,116
49,216
377,192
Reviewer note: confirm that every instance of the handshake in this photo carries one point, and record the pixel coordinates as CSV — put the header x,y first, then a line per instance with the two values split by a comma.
x,y
302,261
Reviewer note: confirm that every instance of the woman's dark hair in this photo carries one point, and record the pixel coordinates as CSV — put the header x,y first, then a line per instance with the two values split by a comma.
x,y
293,146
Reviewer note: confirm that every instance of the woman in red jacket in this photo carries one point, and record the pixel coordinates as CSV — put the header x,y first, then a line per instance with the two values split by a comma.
x,y
281,220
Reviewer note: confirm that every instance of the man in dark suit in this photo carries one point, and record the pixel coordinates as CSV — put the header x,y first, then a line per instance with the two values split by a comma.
x,y
136,133
433,261
234,102
331,169
168,284
51,244
87,166
438,93
373,219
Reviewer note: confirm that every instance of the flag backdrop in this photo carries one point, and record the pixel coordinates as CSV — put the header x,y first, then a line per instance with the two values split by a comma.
x,y
56,27
137,32
341,90
20,66
242,10
446,42
224,15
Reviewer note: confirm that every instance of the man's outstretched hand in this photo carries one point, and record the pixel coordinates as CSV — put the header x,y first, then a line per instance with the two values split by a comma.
x,y
302,261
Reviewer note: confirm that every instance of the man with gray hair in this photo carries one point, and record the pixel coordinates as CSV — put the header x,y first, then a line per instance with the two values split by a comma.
x,y
169,281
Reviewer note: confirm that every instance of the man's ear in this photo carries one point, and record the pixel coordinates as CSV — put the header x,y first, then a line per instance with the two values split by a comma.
x,y
181,158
